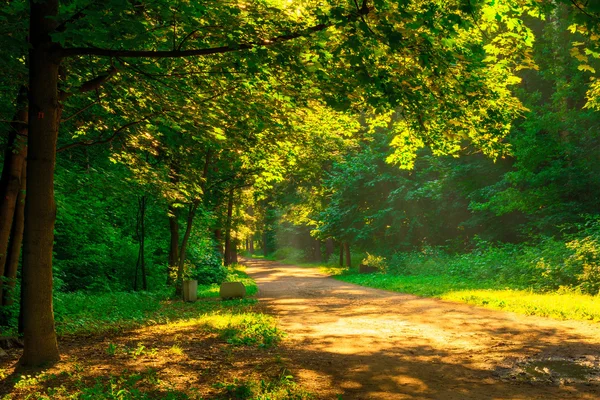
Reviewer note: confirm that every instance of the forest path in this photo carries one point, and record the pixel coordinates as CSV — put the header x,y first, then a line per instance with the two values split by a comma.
x,y
351,342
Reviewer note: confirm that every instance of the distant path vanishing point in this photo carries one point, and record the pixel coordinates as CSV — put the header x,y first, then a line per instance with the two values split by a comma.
x,y
360,343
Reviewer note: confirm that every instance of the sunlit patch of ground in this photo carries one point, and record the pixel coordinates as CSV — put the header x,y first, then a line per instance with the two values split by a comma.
x,y
209,357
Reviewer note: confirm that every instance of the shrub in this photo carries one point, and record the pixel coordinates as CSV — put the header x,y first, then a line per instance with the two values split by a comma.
x,y
207,274
378,262
584,263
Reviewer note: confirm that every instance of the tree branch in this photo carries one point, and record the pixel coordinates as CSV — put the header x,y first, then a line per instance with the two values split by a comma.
x,y
82,110
582,10
110,138
79,51
92,84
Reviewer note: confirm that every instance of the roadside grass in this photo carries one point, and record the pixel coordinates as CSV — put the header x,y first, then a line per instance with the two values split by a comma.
x,y
89,314
149,383
561,305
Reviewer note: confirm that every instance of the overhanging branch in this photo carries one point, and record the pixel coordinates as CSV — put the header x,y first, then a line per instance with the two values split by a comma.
x,y
176,53
110,138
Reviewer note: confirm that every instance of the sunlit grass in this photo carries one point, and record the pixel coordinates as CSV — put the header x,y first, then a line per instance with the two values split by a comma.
x,y
84,313
555,305
565,305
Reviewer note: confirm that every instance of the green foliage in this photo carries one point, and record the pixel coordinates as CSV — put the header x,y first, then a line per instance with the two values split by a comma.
x,y
374,261
251,330
282,387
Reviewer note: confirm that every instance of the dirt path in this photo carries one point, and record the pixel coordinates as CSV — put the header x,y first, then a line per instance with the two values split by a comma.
x,y
361,343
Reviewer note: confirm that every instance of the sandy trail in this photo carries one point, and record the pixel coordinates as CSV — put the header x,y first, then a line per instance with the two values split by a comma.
x,y
350,342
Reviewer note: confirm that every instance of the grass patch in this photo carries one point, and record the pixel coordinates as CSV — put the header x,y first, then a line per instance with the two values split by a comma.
x,y
84,313
281,388
559,305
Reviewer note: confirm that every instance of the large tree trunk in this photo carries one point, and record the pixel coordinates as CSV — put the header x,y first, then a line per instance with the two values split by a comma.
x,y
341,254
12,171
228,245
39,335
16,240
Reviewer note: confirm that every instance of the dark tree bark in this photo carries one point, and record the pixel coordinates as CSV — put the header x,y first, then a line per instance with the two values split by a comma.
x,y
182,249
12,171
228,245
251,246
16,240
141,237
341,254
174,244
40,210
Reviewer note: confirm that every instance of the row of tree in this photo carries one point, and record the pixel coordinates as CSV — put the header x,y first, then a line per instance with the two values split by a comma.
x,y
163,114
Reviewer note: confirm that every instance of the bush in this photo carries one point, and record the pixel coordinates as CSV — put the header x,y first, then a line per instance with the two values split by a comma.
x,y
584,263
207,274
378,262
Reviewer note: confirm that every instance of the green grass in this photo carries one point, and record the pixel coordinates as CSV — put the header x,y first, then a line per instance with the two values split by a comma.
x,y
280,388
559,305
84,313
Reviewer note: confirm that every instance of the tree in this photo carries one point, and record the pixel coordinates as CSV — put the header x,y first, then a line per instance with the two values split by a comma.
x,y
407,57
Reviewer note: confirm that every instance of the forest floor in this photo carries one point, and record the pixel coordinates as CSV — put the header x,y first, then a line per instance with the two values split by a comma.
x,y
350,342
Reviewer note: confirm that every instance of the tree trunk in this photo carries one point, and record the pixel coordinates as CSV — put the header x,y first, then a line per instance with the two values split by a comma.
x,y
143,243
183,247
12,171
341,254
251,246
16,240
228,251
347,248
317,257
234,253
328,248
174,247
141,237
264,242
39,335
